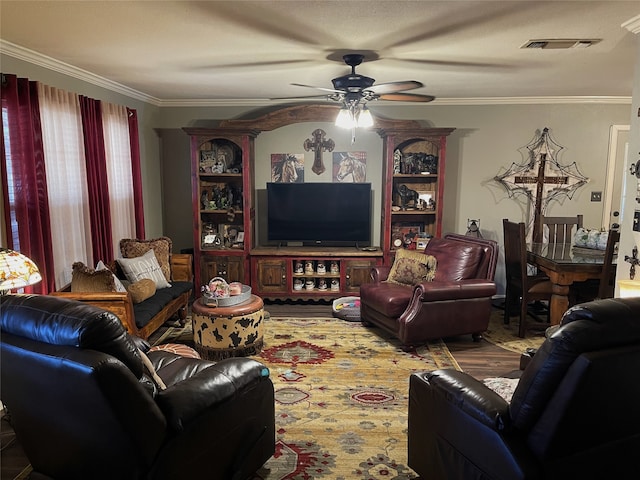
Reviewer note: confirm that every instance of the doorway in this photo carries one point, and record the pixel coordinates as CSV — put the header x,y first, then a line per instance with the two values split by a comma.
x,y
612,196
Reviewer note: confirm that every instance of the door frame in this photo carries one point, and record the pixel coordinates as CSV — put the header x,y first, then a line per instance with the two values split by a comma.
x,y
614,133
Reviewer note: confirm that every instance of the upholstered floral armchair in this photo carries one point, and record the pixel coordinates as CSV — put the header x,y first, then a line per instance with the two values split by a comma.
x,y
444,291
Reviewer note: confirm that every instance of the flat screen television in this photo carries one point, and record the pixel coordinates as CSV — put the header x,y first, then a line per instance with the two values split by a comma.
x,y
332,214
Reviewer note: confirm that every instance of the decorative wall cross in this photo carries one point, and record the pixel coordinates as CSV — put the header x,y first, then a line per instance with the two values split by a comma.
x,y
318,145
542,178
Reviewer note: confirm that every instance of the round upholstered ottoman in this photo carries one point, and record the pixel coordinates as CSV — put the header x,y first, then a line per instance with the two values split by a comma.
x,y
223,332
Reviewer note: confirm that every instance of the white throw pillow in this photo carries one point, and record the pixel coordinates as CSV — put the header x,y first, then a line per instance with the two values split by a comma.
x,y
145,266
119,286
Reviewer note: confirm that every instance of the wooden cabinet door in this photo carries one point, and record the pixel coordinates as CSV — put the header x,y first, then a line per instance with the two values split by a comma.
x,y
272,275
230,268
358,272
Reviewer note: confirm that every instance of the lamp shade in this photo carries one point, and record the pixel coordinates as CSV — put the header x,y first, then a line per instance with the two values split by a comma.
x,y
345,118
17,270
365,119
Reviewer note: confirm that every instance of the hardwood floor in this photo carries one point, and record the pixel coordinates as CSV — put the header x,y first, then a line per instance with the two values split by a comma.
x,y
480,359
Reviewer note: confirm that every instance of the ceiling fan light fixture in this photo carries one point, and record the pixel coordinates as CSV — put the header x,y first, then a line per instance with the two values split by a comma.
x,y
365,119
345,118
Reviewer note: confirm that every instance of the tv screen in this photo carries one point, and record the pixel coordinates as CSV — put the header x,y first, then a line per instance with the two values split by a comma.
x,y
336,214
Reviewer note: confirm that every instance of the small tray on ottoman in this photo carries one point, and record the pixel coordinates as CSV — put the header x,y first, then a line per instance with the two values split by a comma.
x,y
228,301
347,308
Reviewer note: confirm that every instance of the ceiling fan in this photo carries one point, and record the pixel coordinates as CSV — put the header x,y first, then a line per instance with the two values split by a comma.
x,y
353,89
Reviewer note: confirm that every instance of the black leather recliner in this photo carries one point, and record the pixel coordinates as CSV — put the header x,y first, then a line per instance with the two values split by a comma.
x,y
83,407
574,412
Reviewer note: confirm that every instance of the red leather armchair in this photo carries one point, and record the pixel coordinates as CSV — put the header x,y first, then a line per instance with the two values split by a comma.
x,y
456,302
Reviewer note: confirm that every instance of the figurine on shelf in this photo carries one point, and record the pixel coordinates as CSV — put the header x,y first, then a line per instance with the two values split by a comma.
x,y
204,200
298,267
335,285
308,267
334,267
309,284
407,196
322,284
321,268
298,283
419,163
397,161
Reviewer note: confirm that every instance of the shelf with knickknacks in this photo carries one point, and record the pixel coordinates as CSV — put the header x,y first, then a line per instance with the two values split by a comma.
x,y
219,197
414,179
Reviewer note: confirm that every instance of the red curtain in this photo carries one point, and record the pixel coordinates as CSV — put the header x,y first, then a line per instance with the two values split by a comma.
x,y
24,182
134,143
97,181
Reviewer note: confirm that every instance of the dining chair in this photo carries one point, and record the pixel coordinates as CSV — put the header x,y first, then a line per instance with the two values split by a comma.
x,y
560,229
603,287
520,286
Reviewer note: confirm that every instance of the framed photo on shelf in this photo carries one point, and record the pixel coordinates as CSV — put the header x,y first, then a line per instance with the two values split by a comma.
x,y
406,232
426,200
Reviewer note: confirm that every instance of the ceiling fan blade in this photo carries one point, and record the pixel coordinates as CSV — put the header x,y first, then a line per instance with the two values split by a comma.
x,y
264,65
263,20
453,63
406,97
318,88
392,87
300,98
463,21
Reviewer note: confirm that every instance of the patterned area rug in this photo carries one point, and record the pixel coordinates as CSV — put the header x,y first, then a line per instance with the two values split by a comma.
x,y
506,336
341,398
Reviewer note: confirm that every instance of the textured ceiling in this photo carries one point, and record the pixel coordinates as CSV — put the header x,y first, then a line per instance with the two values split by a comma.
x,y
253,50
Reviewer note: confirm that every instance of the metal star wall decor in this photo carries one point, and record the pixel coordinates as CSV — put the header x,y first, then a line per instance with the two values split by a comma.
x,y
542,178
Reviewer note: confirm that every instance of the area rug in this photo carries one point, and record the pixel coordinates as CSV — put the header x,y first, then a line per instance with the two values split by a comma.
x,y
341,398
506,336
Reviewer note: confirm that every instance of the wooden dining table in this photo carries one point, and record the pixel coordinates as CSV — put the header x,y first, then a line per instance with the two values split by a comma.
x,y
564,265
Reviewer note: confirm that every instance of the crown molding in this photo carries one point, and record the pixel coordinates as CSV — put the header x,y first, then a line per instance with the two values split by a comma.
x,y
50,63
438,101
31,56
633,24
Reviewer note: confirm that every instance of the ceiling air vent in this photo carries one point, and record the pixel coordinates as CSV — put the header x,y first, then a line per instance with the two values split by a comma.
x,y
559,43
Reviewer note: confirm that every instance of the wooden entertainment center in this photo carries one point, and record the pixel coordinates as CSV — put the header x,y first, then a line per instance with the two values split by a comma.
x,y
224,201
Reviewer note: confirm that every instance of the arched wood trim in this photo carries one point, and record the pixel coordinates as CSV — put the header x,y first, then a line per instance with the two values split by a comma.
x,y
310,113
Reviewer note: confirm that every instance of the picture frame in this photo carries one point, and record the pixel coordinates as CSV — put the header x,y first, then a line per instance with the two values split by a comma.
x,y
349,167
409,232
421,243
426,200
287,167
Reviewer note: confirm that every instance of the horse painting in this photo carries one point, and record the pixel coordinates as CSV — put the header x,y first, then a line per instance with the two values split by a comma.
x,y
351,169
285,169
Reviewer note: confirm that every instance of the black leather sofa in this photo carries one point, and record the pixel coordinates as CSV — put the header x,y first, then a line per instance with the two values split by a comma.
x,y
574,412
83,406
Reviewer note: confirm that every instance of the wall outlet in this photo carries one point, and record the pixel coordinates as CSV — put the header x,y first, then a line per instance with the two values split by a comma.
x,y
596,196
